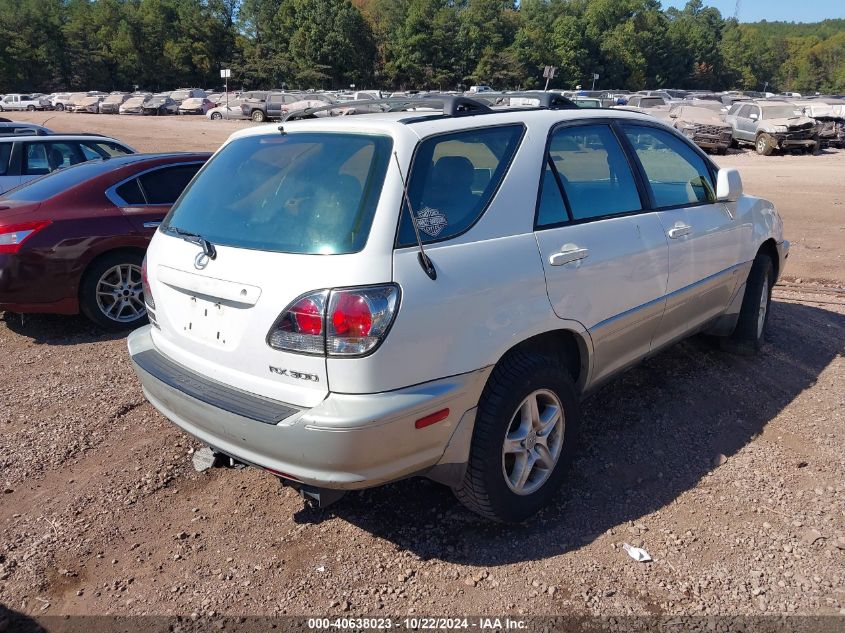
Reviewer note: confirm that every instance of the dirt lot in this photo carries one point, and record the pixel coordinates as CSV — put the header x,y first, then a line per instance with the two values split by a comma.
x,y
729,470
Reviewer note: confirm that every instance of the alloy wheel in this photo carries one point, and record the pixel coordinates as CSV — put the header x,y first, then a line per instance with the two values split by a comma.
x,y
533,442
120,295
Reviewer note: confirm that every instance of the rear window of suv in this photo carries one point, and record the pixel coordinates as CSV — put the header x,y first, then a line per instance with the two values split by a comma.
x,y
307,193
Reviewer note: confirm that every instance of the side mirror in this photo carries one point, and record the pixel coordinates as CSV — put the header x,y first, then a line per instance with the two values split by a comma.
x,y
753,116
728,185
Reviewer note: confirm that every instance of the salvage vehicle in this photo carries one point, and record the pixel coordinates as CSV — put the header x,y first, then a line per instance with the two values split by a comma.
x,y
134,104
350,301
774,125
232,111
830,121
112,103
21,102
74,240
702,126
58,100
25,157
195,105
91,104
69,103
269,108
159,105
186,93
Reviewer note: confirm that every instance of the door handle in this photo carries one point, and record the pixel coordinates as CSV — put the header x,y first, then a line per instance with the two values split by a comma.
x,y
568,255
679,230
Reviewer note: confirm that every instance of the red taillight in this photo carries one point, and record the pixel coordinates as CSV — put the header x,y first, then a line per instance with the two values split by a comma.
x,y
308,317
145,285
14,235
352,316
338,322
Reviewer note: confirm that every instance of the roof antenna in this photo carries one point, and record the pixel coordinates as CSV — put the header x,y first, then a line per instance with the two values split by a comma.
x,y
425,261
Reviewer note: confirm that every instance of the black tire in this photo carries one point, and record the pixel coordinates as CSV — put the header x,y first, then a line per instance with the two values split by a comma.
x,y
88,299
60,107
721,151
749,334
30,108
216,116
258,116
816,149
734,144
485,489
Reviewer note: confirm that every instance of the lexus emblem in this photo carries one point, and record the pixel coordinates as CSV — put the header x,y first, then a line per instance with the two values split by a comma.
x,y
201,261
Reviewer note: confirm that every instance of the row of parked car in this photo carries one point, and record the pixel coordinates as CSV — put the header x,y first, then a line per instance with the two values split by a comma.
x,y
521,255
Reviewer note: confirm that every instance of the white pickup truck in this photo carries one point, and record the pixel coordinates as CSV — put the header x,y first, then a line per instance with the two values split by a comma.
x,y
21,102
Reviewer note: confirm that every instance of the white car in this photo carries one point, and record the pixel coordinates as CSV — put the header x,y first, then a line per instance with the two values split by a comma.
x,y
25,157
314,316
233,111
22,102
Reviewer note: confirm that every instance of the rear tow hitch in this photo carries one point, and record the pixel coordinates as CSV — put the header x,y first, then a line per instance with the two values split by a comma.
x,y
316,498
207,457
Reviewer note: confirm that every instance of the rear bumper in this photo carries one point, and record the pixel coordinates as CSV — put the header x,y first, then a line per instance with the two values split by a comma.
x,y
346,442
32,283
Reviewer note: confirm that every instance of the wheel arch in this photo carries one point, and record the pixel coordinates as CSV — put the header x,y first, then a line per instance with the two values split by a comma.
x,y
134,250
769,247
572,347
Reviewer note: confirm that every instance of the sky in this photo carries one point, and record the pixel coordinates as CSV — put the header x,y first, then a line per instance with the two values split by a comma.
x,y
772,10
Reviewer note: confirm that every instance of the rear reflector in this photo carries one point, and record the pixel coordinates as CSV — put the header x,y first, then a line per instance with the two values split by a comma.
x,y
434,418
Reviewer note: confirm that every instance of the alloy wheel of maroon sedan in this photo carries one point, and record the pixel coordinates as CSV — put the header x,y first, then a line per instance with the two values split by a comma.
x,y
74,241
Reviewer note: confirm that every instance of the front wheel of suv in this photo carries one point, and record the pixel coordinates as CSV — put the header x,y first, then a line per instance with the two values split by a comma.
x,y
524,438
258,116
750,331
764,144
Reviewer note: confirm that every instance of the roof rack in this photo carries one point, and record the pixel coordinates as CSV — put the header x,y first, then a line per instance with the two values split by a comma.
x,y
450,105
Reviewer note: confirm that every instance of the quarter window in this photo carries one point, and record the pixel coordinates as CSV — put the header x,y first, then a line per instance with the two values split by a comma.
x,y
131,193
453,179
5,152
594,172
677,175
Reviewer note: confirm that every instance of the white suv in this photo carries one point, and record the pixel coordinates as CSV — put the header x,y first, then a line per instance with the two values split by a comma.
x,y
297,325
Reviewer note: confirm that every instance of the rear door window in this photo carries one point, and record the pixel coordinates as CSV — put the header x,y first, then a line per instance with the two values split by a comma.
x,y
63,155
453,179
676,173
301,192
592,168
35,161
164,186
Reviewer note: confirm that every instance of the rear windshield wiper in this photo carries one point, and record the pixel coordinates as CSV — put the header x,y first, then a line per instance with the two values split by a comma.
x,y
194,238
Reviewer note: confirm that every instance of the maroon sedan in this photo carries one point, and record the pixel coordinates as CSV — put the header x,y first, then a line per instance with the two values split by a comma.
x,y
73,241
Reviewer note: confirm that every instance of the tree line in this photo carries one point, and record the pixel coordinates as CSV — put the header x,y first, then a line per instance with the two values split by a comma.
x,y
48,45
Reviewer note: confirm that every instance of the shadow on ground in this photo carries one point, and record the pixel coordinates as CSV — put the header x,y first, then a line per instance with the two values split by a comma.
x,y
647,438
56,329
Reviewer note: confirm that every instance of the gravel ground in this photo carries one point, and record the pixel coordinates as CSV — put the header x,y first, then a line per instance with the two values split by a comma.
x,y
729,470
